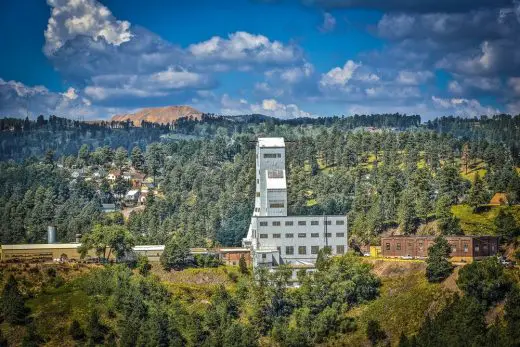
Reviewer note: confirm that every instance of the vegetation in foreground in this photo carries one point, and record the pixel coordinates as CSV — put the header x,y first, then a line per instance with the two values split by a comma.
x,y
342,304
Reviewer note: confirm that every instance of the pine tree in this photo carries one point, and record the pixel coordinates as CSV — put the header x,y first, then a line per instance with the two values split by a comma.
x,y
477,194
242,265
176,253
439,266
406,212
13,307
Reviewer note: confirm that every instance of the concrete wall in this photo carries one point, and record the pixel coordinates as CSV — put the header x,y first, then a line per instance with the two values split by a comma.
x,y
275,233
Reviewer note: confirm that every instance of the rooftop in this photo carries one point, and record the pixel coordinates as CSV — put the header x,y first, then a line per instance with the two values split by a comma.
x,y
274,142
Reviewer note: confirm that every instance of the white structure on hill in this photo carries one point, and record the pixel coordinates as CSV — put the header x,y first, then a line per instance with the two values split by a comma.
x,y
276,238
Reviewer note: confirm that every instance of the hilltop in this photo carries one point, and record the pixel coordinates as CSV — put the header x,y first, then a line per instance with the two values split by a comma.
x,y
162,115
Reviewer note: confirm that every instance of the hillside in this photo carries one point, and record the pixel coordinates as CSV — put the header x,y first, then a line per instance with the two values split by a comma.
x,y
162,115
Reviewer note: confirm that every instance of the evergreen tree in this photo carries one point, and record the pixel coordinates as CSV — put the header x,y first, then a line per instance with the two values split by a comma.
x,y
13,307
406,212
137,158
374,332
176,253
438,264
242,265
477,194
506,225
95,329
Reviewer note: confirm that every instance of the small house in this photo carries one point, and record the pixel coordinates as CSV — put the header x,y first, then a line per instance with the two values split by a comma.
x,y
113,175
132,196
499,199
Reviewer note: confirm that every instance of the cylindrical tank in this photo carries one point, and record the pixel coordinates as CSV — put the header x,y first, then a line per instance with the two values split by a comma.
x,y
51,234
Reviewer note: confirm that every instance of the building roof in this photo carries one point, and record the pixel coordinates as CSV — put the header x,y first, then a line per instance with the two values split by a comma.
x,y
149,248
433,237
273,142
132,192
499,199
41,246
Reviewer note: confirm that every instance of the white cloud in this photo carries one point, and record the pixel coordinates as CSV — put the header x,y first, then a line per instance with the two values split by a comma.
x,y
295,74
269,107
243,46
407,77
339,76
463,107
455,87
70,94
514,83
72,18
329,23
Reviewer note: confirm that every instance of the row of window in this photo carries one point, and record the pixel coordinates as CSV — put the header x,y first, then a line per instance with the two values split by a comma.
x,y
302,250
272,155
300,223
453,247
300,235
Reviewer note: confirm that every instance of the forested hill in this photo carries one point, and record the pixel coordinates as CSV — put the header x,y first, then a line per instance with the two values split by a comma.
x,y
384,179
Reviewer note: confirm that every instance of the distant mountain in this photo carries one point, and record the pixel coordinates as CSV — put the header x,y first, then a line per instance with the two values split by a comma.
x,y
167,114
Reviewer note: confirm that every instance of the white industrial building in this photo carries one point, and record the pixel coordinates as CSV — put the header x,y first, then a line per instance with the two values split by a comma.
x,y
276,238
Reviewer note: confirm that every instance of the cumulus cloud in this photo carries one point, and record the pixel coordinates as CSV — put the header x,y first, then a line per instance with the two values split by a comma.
x,y
514,83
20,100
70,19
463,107
243,46
329,23
269,107
339,76
413,77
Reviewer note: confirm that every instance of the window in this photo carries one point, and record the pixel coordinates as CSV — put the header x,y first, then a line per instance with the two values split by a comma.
x,y
289,236
387,246
257,181
276,223
272,155
257,209
275,173
453,248
328,234
302,235
340,249
263,224
465,248
302,250
493,247
279,249
289,250
315,249
315,234
264,256
340,222
302,222
263,236
276,204
257,194
398,246
289,223
328,222
276,236
477,248
315,222
340,234
409,245
420,245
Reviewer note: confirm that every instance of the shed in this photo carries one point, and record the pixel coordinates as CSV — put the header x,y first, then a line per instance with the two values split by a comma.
x,y
499,199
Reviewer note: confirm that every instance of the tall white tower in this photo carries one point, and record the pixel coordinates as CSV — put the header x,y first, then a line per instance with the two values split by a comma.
x,y
271,184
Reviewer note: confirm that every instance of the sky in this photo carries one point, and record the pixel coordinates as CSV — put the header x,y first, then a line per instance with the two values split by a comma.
x,y
92,59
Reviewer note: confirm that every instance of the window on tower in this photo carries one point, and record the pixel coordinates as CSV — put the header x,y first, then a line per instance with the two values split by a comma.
x,y
275,173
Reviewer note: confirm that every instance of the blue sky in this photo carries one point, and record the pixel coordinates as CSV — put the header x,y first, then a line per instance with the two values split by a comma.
x,y
282,58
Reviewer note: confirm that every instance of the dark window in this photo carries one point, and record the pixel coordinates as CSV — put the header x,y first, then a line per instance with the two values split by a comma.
x,y
263,236
275,174
302,250
340,249
302,235
276,236
276,204
289,223
289,250
289,236
315,234
302,222
328,234
340,222
477,248
398,247
340,234
276,224
264,256
271,155
328,222
315,222
263,224
387,246
315,249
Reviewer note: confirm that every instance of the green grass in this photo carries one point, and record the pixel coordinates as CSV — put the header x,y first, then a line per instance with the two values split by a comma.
x,y
401,307
481,223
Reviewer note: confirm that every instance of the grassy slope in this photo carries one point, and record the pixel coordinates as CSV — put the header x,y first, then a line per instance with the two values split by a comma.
x,y
406,298
481,223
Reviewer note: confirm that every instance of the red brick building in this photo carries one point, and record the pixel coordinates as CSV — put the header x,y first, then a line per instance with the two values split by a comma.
x,y
465,248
